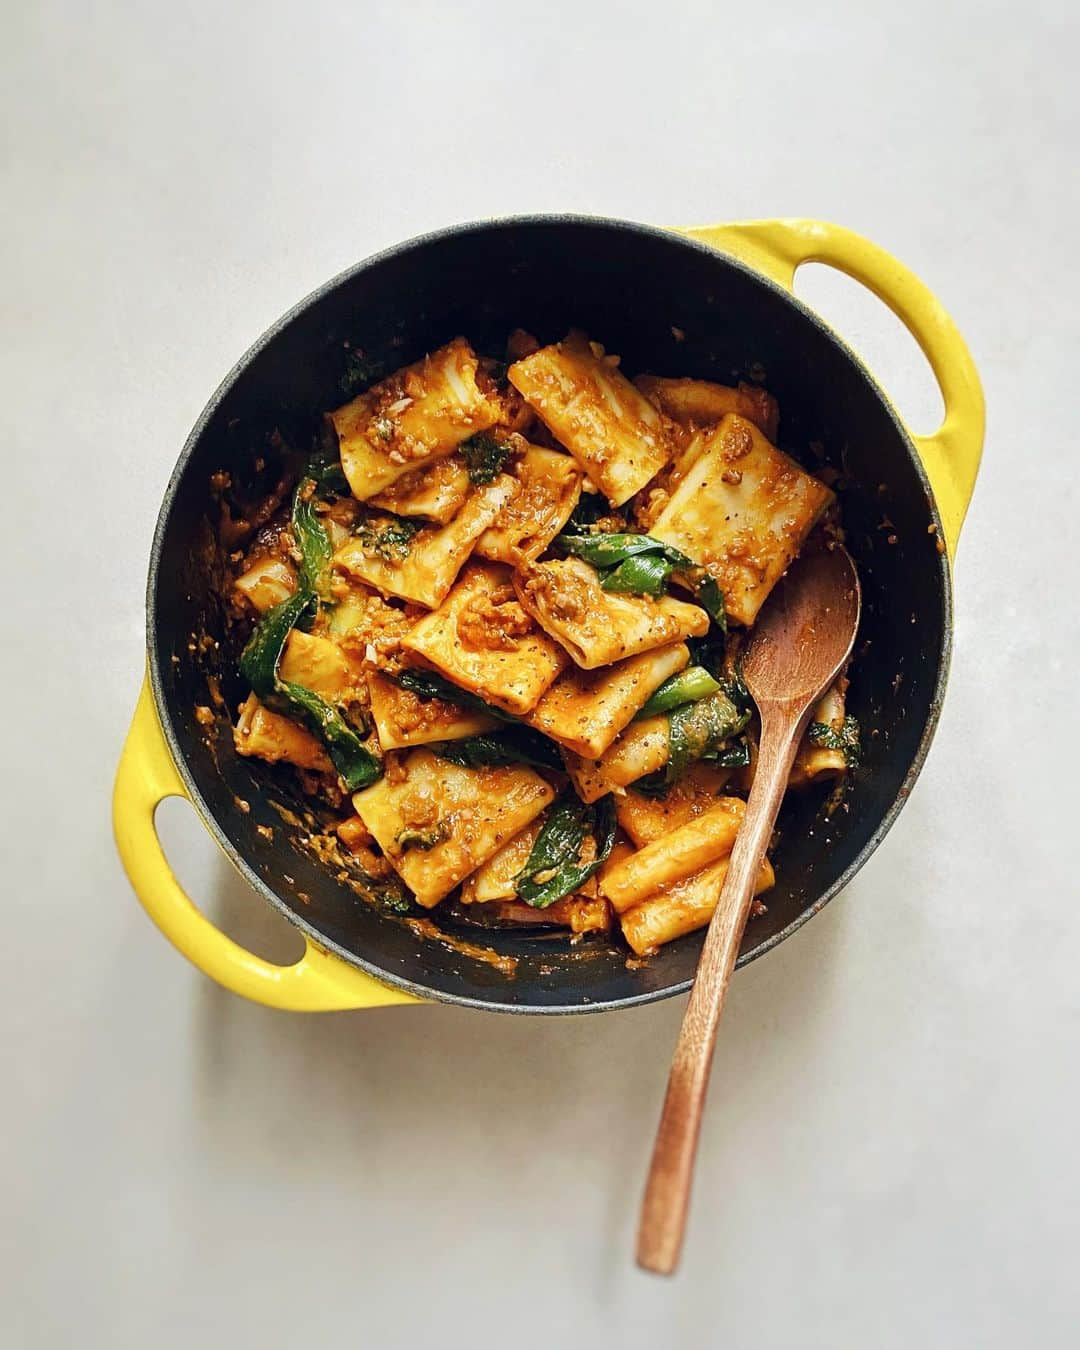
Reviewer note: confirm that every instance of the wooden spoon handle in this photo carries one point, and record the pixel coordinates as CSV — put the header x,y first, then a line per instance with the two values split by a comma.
x,y
667,1190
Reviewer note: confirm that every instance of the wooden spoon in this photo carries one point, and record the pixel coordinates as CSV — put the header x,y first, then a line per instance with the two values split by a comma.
x,y
802,638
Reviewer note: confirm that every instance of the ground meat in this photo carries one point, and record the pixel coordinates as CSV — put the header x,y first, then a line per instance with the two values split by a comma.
x,y
395,770
565,594
738,442
411,714
492,622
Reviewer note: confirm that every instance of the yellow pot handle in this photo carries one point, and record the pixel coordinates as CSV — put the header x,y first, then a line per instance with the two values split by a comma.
x,y
318,982
951,455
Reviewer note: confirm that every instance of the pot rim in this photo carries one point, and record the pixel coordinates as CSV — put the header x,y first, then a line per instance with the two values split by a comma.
x,y
164,711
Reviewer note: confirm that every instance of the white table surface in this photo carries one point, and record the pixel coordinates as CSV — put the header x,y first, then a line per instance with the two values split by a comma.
x,y
890,1157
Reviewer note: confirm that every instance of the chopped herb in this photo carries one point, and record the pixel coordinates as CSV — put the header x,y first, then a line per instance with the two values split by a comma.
x,y
709,596
312,541
655,786
734,755
484,457
324,465
391,540
262,655
360,372
516,745
554,868
393,901
642,565
846,740
687,687
352,759
422,839
425,684
259,665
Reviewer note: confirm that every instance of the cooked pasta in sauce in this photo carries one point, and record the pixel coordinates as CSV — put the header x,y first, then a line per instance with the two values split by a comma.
x,y
494,622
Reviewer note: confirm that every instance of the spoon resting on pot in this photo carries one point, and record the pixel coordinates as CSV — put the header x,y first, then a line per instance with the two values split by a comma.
x,y
798,646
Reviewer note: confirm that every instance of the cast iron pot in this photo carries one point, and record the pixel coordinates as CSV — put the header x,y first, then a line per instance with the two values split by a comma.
x,y
712,302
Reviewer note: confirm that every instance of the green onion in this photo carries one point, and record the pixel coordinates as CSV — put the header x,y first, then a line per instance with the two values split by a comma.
x,y
484,457
426,685
259,665
686,687
554,869
697,730
312,540
708,594
352,759
642,565
846,740
642,574
608,550
516,745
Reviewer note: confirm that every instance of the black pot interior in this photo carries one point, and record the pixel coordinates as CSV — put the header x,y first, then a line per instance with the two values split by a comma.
x,y
666,306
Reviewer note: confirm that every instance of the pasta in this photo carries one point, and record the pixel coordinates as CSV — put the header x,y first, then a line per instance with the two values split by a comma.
x,y
579,913
647,819
828,760
686,850
642,750
425,570
436,492
494,880
496,639
702,403
743,512
318,664
421,413
550,489
584,710
484,641
279,740
595,626
684,908
438,822
267,583
612,430
402,719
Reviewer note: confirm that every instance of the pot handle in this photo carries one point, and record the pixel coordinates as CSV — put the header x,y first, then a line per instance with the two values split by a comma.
x,y
779,247
318,982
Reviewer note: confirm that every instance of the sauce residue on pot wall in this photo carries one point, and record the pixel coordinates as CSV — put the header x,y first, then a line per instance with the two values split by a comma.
x,y
424,928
